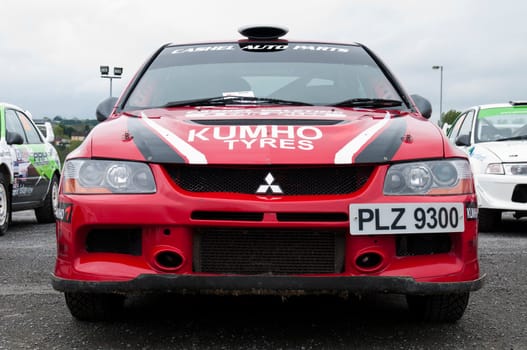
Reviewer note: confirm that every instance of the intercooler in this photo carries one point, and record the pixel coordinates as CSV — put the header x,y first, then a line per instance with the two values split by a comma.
x,y
268,251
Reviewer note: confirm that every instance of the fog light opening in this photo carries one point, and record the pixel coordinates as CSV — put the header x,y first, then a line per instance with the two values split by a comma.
x,y
369,261
168,259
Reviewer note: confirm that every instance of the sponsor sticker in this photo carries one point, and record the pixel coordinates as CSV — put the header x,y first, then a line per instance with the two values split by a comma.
x,y
259,136
64,212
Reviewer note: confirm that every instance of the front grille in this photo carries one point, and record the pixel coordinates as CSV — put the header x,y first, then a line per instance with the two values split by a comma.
x,y
261,251
312,217
252,216
226,215
331,180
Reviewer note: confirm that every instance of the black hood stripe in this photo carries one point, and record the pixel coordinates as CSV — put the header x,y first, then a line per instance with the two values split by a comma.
x,y
384,147
151,146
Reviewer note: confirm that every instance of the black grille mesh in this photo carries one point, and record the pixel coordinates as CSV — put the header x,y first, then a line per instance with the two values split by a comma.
x,y
332,180
260,251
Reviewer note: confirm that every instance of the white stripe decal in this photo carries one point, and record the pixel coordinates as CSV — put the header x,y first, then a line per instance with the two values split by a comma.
x,y
193,155
345,154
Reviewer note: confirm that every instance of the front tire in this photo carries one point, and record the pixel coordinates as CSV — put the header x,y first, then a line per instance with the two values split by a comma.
x,y
488,220
5,204
46,213
94,307
438,308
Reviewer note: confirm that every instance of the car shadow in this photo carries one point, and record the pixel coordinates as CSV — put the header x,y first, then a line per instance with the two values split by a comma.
x,y
264,309
375,321
510,226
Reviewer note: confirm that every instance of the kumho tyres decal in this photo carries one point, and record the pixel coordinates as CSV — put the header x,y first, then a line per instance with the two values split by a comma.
x,y
247,137
384,147
151,146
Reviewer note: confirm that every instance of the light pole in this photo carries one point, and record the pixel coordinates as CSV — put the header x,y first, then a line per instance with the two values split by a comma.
x,y
440,91
105,73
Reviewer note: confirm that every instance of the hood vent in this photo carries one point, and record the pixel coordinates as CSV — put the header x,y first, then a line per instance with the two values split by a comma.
x,y
267,122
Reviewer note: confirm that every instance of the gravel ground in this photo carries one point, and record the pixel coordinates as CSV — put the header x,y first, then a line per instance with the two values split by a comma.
x,y
34,316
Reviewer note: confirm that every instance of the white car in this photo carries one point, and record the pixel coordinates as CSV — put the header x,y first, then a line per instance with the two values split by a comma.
x,y
495,137
29,168
47,130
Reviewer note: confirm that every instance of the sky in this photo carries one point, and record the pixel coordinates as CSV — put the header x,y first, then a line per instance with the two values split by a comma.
x,y
50,51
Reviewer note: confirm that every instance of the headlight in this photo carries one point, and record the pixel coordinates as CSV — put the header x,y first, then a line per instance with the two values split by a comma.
x,y
494,169
439,177
515,169
107,176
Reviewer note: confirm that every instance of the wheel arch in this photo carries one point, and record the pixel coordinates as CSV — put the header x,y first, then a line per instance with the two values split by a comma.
x,y
56,173
6,171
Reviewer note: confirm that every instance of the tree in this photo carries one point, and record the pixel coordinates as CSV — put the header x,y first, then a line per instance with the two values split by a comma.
x,y
449,117
58,130
68,130
64,150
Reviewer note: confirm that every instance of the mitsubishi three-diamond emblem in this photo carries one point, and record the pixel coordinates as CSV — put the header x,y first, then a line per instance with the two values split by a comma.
x,y
269,179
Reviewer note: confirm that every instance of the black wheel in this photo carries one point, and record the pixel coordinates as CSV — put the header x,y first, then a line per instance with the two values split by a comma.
x,y
46,213
438,308
5,204
488,219
94,307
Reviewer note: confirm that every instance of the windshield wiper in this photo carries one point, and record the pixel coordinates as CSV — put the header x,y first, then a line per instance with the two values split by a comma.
x,y
218,100
229,100
512,138
277,101
368,103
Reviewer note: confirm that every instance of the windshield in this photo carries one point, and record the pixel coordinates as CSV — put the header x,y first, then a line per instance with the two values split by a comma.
x,y
501,124
304,74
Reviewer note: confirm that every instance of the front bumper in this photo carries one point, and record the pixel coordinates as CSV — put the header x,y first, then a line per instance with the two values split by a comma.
x,y
268,285
98,245
501,192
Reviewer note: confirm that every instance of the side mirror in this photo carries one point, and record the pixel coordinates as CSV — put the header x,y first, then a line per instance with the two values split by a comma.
x,y
463,140
13,138
424,106
105,108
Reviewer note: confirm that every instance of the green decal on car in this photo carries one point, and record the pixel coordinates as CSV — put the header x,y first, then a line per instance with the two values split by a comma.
x,y
492,112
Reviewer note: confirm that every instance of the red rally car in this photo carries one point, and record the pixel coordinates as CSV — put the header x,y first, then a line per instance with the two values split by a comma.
x,y
266,166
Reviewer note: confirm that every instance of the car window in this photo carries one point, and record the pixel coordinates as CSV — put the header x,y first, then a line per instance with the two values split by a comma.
x,y
454,131
309,74
466,126
18,122
13,125
33,137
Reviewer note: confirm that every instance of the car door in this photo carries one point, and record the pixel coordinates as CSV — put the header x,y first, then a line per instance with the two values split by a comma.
x,y
29,157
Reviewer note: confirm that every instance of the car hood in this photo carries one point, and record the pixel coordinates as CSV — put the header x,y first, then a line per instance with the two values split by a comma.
x,y
505,151
271,135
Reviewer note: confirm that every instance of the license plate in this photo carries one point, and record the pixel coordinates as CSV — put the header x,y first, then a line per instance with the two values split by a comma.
x,y
397,218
